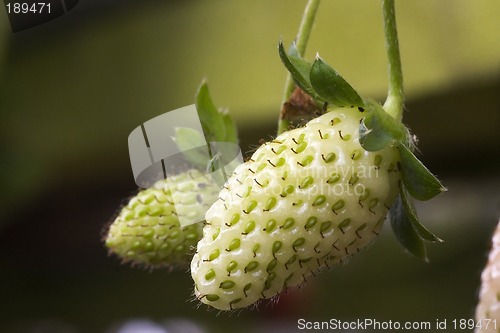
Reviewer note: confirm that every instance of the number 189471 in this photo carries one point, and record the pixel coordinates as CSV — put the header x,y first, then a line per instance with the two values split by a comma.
x,y
464,324
25,8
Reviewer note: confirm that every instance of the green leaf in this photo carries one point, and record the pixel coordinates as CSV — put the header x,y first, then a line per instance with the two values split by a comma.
x,y
211,120
331,86
405,232
299,69
218,126
193,146
372,139
378,128
419,181
411,214
231,130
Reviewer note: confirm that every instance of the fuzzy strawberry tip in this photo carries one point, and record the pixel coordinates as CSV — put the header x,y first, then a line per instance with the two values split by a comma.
x,y
147,231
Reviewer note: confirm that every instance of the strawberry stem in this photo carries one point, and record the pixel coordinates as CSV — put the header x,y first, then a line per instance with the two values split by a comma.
x,y
302,39
301,43
395,96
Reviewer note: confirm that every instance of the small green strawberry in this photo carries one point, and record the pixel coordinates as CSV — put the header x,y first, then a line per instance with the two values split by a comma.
x,y
488,309
305,201
147,230
161,225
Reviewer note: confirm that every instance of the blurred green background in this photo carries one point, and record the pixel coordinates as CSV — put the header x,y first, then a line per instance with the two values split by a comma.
x,y
74,88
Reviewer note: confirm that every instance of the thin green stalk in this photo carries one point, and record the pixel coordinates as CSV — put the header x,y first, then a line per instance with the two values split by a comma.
x,y
301,42
302,39
395,96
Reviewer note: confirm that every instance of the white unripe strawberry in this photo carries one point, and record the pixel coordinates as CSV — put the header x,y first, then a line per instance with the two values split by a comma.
x,y
147,231
303,202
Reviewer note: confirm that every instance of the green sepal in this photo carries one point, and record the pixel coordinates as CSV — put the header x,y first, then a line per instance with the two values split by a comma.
x,y
331,86
419,181
217,125
411,214
211,120
378,128
405,231
193,146
231,130
299,69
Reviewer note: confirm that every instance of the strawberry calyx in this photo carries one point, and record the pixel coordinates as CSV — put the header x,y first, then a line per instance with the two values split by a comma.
x,y
378,129
331,86
217,123
217,126
299,70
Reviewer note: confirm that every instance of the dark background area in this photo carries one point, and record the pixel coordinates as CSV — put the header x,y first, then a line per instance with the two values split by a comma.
x,y
73,89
